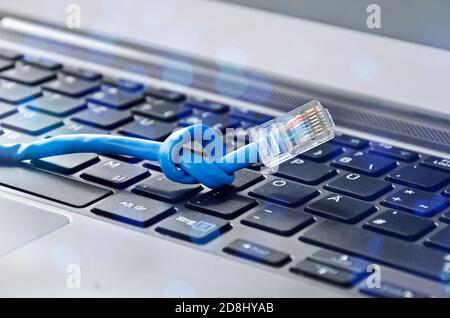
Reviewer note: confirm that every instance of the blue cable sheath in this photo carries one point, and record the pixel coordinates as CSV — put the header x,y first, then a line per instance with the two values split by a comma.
x,y
196,170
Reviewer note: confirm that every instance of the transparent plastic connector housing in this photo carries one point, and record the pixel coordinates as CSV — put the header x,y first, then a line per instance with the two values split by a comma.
x,y
293,133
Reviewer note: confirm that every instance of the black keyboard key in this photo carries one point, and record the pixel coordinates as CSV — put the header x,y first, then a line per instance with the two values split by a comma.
x,y
341,261
15,93
323,153
365,163
71,86
245,178
437,163
10,136
249,116
379,248
162,110
341,208
6,109
161,188
257,253
416,202
284,192
441,239
191,120
305,171
401,225
420,177
132,209
222,204
124,158
153,165
124,84
41,62
56,104
10,54
71,128
219,122
359,186
446,217
326,273
148,129
206,105
31,123
27,74
350,141
82,73
193,227
388,290
256,166
51,186
394,152
67,164
115,174
102,117
165,94
114,97
278,220
5,64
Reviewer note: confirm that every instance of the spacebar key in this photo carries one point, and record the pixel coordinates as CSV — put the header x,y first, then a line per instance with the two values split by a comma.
x,y
51,186
380,249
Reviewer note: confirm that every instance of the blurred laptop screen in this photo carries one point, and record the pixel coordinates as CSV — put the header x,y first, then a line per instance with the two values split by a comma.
x,y
418,21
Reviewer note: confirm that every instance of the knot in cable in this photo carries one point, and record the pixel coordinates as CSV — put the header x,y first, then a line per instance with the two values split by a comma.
x,y
189,167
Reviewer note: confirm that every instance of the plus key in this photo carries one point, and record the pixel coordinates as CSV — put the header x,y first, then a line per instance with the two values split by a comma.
x,y
416,202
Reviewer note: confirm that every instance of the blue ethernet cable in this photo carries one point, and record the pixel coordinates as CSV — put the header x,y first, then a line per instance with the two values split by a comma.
x,y
273,142
197,170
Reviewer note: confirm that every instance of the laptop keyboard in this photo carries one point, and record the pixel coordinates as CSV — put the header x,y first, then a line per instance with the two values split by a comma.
x,y
343,196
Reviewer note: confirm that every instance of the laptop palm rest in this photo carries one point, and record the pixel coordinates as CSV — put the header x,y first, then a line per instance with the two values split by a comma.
x,y
21,224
